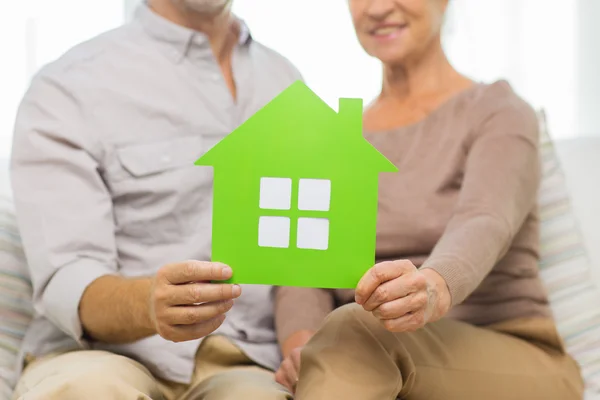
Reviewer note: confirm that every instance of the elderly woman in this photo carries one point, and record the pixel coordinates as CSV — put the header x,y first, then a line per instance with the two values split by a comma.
x,y
454,309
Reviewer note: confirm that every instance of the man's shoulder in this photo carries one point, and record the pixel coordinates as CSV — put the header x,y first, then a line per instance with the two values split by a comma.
x,y
279,64
91,55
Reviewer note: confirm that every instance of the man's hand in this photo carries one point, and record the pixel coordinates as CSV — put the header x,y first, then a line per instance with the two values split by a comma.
x,y
403,297
289,370
178,303
184,305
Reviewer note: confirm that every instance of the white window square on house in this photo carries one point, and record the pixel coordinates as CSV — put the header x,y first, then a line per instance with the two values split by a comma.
x,y
314,194
313,233
275,193
274,232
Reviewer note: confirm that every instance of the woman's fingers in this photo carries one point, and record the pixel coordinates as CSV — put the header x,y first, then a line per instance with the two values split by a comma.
x,y
407,323
405,285
387,292
295,356
398,308
287,375
280,377
378,275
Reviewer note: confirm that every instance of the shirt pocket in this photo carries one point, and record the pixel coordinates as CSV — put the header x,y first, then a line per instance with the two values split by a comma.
x,y
145,159
159,193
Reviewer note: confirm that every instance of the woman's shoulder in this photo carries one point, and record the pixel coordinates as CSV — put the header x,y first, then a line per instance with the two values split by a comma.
x,y
498,105
499,96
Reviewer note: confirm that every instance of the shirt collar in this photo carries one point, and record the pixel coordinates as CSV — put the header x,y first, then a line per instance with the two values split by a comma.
x,y
180,39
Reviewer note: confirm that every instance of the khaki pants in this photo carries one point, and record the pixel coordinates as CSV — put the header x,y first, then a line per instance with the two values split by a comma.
x,y
223,372
354,358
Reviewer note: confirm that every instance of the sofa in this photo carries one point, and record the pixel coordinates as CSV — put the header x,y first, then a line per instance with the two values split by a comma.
x,y
570,251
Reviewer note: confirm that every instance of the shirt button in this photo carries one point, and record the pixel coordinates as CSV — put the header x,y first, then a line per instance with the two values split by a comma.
x,y
243,335
216,77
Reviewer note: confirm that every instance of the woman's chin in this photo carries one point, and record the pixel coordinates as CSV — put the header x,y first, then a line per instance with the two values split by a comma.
x,y
390,58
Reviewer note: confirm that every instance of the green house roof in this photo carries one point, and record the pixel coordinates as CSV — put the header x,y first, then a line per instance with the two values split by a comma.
x,y
297,120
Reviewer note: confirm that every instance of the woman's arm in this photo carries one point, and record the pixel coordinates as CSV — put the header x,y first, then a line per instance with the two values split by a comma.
x,y
499,190
299,312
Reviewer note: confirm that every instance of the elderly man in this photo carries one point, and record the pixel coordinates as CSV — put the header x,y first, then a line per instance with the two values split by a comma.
x,y
116,219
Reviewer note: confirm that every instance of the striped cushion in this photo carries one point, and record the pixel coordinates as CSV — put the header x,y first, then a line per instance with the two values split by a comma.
x,y
565,267
15,293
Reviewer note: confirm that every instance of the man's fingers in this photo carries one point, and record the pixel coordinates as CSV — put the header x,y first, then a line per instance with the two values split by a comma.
x,y
183,333
194,293
193,315
379,274
195,271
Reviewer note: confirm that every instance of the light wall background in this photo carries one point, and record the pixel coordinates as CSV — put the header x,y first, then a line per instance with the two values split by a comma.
x,y
547,49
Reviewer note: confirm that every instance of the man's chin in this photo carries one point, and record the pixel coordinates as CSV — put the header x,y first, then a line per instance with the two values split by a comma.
x,y
207,7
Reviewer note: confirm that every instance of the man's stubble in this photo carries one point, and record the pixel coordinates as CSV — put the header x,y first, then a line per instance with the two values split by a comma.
x,y
207,7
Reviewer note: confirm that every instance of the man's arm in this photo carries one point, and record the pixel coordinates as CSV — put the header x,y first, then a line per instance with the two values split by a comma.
x,y
63,208
116,310
65,218
175,303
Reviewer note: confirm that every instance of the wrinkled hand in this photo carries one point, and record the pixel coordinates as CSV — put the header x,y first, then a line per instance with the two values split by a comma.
x,y
184,305
403,297
289,370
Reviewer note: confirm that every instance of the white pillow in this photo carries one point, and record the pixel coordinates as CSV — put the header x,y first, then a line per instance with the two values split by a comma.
x,y
580,160
566,269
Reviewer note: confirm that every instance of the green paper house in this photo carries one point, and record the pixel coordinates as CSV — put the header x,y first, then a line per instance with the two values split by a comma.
x,y
295,194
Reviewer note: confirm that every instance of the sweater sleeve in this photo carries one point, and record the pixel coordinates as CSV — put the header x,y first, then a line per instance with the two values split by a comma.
x,y
298,309
499,190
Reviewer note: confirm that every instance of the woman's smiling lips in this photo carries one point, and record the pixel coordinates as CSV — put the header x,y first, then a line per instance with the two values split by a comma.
x,y
388,31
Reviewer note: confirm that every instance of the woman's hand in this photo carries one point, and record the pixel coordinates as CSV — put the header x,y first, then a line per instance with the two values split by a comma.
x,y
289,370
403,297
